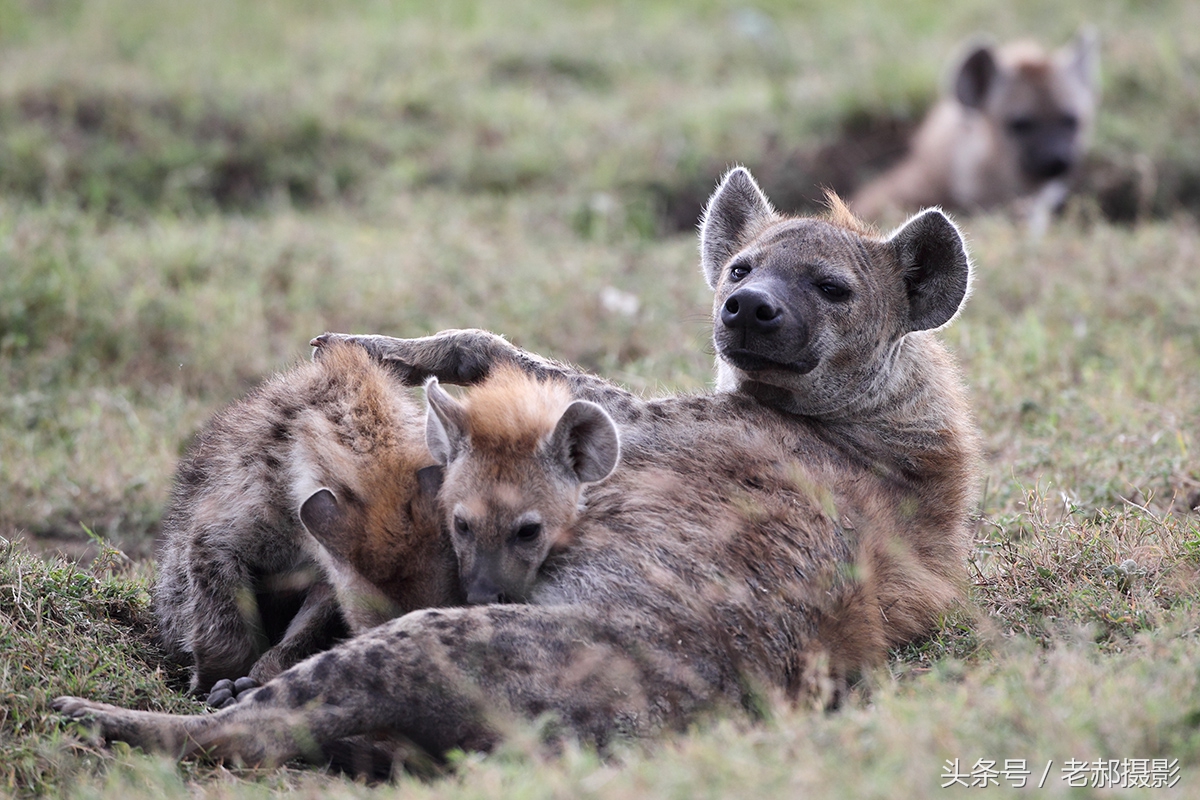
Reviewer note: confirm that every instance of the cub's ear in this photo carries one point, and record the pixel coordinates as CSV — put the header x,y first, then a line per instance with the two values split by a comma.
x,y
325,519
445,423
429,479
733,212
586,442
936,269
976,75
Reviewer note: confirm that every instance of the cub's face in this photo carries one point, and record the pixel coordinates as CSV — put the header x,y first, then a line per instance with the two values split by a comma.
x,y
513,482
504,526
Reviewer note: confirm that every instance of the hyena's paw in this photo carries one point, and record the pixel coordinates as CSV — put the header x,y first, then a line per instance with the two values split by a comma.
x,y
78,708
382,349
225,692
325,340
462,357
107,721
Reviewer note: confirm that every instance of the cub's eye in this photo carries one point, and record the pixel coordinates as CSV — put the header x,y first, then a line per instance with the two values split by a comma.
x,y
528,532
834,291
739,271
461,526
1021,125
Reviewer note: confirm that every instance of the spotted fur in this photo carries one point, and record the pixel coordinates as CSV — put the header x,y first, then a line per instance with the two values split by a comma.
x,y
774,536
243,588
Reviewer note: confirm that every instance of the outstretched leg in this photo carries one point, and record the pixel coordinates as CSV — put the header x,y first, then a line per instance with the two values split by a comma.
x,y
448,678
466,356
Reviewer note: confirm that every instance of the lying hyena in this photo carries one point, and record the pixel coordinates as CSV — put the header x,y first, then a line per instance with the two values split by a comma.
x,y
776,535
1013,131
334,449
518,454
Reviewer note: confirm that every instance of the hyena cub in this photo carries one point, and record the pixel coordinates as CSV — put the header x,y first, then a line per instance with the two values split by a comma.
x,y
305,508
518,453
1013,129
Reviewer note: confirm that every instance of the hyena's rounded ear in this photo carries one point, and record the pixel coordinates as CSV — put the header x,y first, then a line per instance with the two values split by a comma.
x,y
735,209
935,267
586,441
976,75
324,518
1081,56
445,423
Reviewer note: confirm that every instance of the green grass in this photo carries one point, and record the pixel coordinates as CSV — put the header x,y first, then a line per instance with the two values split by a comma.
x,y
189,192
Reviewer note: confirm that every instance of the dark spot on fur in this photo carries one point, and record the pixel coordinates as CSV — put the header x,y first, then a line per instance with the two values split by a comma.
x,y
300,693
376,657
264,695
279,431
325,664
441,623
347,495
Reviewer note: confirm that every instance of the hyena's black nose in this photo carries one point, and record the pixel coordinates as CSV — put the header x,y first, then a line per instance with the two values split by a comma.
x,y
482,591
752,309
1051,166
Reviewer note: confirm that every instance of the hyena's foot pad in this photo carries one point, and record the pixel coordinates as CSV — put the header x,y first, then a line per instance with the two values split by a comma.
x,y
226,692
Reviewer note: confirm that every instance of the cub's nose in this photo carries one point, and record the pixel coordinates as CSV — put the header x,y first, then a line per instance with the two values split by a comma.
x,y
482,591
753,310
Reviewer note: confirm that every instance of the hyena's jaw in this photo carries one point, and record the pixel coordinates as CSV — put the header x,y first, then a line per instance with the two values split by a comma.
x,y
762,367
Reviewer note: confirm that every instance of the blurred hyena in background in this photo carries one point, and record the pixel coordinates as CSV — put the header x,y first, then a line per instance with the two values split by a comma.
x,y
1010,132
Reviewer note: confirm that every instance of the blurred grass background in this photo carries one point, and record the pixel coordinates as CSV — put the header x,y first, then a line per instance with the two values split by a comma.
x,y
189,192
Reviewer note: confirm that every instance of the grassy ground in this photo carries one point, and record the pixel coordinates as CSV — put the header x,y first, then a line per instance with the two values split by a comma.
x,y
188,192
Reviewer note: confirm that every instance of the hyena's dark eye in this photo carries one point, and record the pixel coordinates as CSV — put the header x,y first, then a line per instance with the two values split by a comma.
x,y
834,291
739,271
1021,125
462,527
528,532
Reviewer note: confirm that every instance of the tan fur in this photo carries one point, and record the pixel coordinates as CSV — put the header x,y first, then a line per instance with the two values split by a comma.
x,y
774,536
971,154
233,547
518,453
511,410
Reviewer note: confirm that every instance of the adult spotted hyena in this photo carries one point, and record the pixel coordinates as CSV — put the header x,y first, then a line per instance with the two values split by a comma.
x,y
1012,129
304,509
776,535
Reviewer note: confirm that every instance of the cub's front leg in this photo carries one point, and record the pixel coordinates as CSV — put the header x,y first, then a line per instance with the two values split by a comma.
x,y
465,356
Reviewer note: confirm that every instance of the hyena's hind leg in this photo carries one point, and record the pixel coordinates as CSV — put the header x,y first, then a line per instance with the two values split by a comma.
x,y
466,356
443,679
